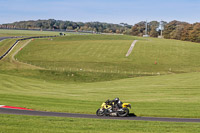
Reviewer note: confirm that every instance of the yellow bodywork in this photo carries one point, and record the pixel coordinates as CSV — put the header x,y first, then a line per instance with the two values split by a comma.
x,y
124,105
105,106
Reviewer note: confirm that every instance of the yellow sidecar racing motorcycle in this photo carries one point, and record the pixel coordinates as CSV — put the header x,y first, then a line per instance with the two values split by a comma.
x,y
109,109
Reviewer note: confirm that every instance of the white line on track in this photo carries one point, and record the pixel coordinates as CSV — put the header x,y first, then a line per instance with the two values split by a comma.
x,y
131,48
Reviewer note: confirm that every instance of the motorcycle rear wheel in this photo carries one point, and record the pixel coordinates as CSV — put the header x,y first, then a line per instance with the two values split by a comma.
x,y
100,113
123,113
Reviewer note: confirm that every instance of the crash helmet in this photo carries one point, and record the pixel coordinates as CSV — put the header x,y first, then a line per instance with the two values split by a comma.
x,y
107,102
117,99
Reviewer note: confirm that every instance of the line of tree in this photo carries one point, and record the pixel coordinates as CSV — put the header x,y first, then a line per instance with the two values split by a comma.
x,y
154,29
182,31
53,24
172,30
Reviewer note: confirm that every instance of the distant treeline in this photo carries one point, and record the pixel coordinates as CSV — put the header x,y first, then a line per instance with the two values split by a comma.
x,y
154,29
52,24
182,31
172,30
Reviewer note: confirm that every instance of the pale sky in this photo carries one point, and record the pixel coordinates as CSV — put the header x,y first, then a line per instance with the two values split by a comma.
x,y
111,11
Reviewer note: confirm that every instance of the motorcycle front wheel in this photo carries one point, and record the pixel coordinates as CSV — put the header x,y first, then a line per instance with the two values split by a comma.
x,y
123,113
100,112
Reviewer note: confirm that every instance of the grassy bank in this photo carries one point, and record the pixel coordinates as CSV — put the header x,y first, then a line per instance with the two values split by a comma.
x,y
52,89
77,73
106,54
32,124
5,45
161,96
4,32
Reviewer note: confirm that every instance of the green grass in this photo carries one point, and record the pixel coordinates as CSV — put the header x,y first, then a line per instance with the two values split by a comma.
x,y
5,45
161,96
25,33
174,95
32,124
8,63
107,54
105,73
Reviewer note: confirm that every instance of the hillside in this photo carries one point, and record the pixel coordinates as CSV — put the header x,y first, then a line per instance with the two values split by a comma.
x,y
84,70
106,55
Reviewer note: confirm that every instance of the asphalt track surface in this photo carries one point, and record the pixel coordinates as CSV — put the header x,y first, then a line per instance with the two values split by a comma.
x,y
71,115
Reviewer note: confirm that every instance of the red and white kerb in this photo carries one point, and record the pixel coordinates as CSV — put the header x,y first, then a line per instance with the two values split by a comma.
x,y
12,107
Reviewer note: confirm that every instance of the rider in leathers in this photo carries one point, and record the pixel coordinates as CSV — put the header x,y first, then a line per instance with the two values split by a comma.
x,y
117,106
117,103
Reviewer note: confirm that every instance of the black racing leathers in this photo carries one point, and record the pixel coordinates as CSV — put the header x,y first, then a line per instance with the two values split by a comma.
x,y
117,104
